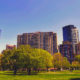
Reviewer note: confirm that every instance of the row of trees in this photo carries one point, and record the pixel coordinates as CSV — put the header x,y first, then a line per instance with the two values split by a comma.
x,y
26,58
32,59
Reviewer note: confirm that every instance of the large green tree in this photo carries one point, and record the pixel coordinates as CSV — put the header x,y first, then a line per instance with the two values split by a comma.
x,y
34,59
5,60
60,62
12,60
26,57
46,58
66,64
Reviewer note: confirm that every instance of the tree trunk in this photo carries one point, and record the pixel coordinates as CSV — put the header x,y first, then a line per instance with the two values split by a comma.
x,y
38,70
29,71
15,71
47,69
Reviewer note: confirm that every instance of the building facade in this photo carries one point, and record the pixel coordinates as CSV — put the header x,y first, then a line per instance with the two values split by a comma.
x,y
66,49
70,46
78,49
10,47
43,40
71,34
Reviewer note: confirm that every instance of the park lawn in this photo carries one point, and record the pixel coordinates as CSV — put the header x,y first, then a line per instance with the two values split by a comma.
x,y
63,75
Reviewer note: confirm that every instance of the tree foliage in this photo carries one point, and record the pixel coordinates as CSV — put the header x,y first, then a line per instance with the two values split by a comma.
x,y
26,57
77,58
12,60
75,65
60,62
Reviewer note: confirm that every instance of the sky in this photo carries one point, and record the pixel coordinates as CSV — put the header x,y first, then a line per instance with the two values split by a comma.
x,y
23,16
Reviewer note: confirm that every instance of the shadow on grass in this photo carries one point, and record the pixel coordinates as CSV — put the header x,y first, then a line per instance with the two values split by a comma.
x,y
75,79
18,73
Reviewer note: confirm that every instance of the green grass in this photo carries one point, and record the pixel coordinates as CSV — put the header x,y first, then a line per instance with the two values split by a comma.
x,y
64,75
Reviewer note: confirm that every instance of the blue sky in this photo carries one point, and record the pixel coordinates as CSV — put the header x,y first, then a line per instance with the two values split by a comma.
x,y
19,16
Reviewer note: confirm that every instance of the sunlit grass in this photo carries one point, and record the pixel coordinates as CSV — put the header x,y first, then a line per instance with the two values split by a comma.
x,y
63,75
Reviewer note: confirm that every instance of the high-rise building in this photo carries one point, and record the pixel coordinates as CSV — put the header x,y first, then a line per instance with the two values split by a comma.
x,y
70,42
43,40
71,34
66,49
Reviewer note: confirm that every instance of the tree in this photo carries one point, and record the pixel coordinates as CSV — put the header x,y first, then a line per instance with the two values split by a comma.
x,y
27,53
75,65
65,64
16,60
34,59
26,57
1,61
77,58
12,60
5,59
46,57
60,62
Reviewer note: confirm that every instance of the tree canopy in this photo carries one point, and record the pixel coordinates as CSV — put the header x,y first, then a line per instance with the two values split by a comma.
x,y
60,62
26,57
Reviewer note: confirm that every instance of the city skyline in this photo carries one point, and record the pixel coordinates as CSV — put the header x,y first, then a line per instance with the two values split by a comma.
x,y
17,17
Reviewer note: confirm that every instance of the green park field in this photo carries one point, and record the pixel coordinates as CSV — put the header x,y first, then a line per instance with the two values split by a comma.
x,y
63,75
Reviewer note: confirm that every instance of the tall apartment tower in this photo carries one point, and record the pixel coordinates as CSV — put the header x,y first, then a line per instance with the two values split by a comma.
x,y
43,40
70,33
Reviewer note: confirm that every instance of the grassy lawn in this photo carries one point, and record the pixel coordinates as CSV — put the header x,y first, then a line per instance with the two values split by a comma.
x,y
64,75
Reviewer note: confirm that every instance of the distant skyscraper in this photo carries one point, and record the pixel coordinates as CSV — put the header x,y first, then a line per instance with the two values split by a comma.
x,y
70,33
70,40
43,40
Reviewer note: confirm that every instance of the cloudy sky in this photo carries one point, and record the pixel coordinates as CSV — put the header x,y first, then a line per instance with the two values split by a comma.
x,y
20,16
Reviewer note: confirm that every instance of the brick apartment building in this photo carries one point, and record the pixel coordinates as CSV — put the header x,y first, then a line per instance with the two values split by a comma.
x,y
43,40
66,49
